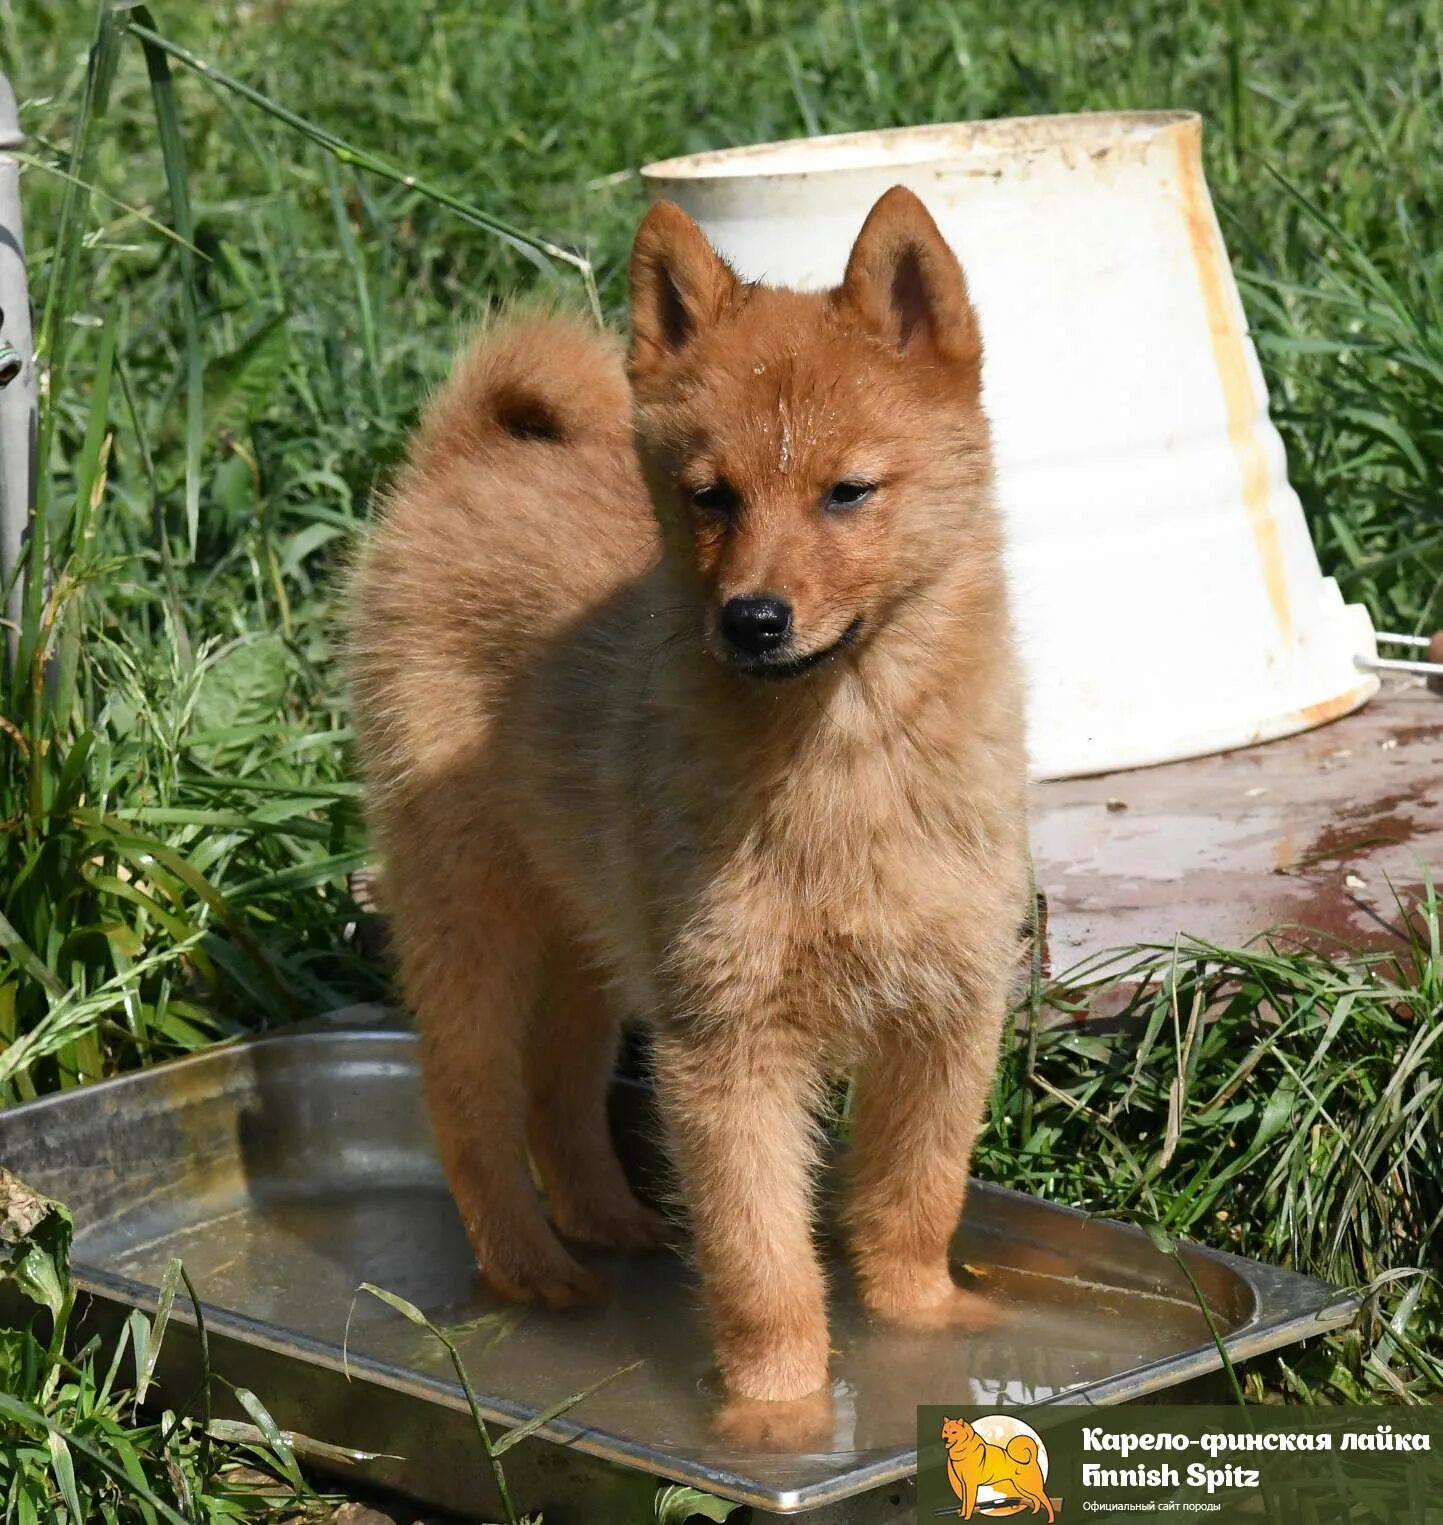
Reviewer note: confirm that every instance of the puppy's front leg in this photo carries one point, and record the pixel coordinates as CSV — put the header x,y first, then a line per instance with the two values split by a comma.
x,y
740,1108
918,1107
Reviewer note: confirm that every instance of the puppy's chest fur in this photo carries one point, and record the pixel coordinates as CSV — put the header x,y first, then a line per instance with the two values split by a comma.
x,y
838,897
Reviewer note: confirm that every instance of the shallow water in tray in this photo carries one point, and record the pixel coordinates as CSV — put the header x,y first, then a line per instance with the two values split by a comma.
x,y
287,1171
295,1260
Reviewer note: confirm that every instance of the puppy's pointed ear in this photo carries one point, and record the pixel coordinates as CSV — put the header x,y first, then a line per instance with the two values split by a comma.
x,y
906,285
679,286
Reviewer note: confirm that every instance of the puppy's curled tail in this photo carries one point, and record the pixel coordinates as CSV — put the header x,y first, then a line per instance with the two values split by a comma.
x,y
534,381
1022,1448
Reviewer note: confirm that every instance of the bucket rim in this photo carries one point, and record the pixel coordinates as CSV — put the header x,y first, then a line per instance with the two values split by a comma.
x,y
931,145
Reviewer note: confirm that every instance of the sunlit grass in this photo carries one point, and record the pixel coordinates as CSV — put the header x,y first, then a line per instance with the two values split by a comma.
x,y
1267,1101
222,403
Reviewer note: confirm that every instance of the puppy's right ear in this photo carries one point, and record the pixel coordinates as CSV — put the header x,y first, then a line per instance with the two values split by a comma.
x,y
679,286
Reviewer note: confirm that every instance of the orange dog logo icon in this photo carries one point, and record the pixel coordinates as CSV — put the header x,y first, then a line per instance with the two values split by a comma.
x,y
997,1466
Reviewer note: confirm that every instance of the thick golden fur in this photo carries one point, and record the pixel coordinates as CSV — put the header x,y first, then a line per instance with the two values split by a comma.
x,y
585,811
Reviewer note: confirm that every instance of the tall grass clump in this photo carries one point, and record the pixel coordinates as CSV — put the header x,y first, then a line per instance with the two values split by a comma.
x,y
74,1449
1267,1101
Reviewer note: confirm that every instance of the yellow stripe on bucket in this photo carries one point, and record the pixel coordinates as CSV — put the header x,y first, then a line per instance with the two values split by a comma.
x,y
1231,360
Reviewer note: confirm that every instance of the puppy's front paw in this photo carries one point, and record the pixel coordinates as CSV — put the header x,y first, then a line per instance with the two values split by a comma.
x,y
949,1307
797,1424
763,1368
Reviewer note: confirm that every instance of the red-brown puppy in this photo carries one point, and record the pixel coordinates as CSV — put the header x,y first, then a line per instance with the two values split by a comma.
x,y
695,699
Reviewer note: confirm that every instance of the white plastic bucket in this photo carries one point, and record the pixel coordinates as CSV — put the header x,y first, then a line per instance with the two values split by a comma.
x,y
1168,598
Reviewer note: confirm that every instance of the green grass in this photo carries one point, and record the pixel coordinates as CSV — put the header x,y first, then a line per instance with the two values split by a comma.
x,y
1267,1101
73,1447
228,396
244,289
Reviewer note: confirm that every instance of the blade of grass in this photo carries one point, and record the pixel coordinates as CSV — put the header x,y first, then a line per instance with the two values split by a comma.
x,y
556,1410
172,148
347,240
165,1302
410,1311
1167,1246
206,1378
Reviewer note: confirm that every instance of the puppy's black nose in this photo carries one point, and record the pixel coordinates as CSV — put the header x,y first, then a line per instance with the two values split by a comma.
x,y
756,623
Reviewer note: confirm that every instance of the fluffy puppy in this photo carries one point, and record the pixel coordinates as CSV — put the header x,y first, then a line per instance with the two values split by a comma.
x,y
686,690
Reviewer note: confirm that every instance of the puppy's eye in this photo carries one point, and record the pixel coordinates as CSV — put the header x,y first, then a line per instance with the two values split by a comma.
x,y
719,498
845,495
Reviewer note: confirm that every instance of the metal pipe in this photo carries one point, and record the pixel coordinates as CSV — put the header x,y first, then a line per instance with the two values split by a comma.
x,y
17,371
1430,668
1401,664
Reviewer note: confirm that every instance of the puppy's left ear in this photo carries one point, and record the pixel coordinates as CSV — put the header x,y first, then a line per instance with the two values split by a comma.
x,y
905,284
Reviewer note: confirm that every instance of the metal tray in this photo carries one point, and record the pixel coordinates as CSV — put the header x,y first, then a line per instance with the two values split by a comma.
x,y
287,1170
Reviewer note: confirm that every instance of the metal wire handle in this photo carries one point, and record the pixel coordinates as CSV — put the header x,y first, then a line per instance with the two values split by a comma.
x,y
1428,669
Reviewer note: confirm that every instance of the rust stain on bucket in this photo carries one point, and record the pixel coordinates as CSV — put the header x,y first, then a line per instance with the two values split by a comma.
x,y
1331,709
1230,359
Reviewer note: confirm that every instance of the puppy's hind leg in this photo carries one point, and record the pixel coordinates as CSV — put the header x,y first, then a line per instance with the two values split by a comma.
x,y
471,961
569,1060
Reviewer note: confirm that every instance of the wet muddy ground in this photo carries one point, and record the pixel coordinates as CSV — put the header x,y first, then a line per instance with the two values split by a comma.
x,y
1320,833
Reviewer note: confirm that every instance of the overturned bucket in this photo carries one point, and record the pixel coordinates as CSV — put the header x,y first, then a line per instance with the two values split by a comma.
x,y
1169,600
